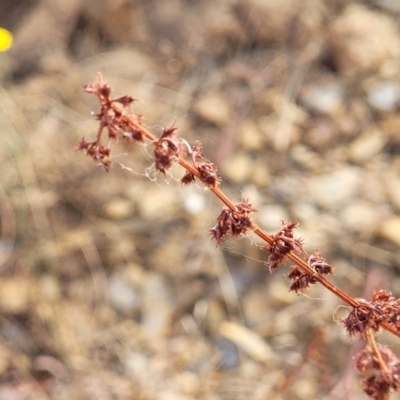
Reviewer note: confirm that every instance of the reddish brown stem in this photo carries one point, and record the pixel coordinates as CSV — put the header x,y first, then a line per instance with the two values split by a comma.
x,y
135,125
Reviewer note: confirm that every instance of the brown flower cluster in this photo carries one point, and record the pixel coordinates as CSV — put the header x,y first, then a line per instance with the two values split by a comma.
x,y
233,223
301,280
206,169
111,116
284,242
168,148
370,314
380,370
362,317
112,112
99,153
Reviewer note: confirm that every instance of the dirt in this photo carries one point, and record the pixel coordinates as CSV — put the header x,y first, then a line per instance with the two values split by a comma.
x,y
110,285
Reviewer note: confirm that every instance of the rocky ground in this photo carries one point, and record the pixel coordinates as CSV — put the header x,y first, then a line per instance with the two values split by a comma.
x,y
110,286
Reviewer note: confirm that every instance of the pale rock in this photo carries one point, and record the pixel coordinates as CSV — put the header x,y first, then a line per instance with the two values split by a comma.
x,y
169,256
216,314
322,98
250,136
158,308
280,130
238,168
360,216
384,96
304,211
122,295
285,340
14,295
278,293
336,188
188,383
256,305
306,157
305,388
172,395
390,230
137,364
156,203
248,341
261,176
271,216
49,287
118,208
366,146
194,202
214,108
363,41
313,236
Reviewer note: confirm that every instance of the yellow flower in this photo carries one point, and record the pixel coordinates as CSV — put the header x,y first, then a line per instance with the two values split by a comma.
x,y
6,39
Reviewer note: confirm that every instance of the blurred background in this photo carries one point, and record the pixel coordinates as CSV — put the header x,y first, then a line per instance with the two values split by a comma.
x,y
110,286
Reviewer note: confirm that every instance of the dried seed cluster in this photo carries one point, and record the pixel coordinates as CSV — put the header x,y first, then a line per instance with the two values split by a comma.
x,y
301,280
284,242
233,222
379,380
370,314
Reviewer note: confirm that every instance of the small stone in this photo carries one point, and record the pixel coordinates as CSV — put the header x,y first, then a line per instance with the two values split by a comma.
x,y
155,204
137,364
384,96
390,230
367,146
334,189
270,217
248,341
363,41
261,176
172,395
279,294
360,216
213,108
188,383
306,157
49,287
14,295
158,308
250,136
194,202
305,388
122,295
314,234
238,168
322,99
119,208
